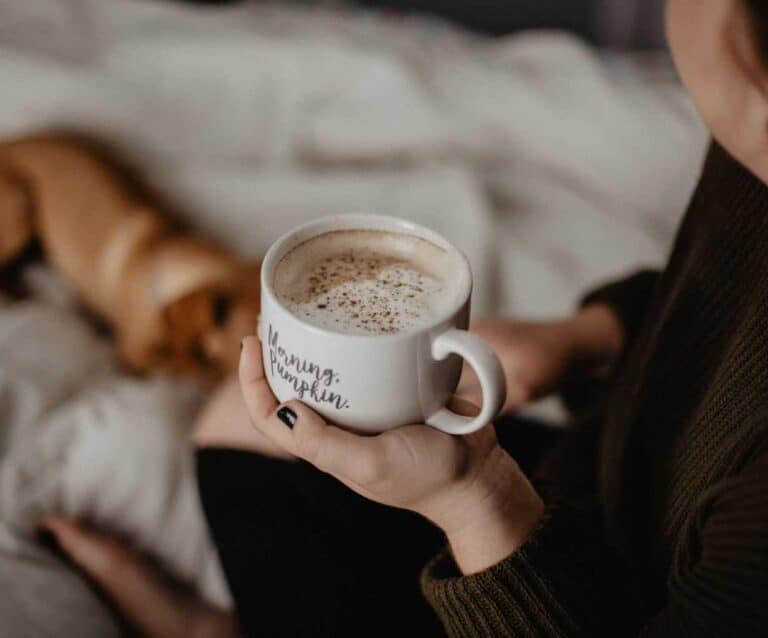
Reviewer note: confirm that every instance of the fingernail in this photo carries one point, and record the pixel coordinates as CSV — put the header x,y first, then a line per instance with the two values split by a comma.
x,y
241,346
287,416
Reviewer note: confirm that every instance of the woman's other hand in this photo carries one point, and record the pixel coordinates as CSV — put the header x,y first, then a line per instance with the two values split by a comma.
x,y
537,356
147,599
468,485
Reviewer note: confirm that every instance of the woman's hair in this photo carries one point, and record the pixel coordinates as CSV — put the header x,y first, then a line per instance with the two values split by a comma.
x,y
759,10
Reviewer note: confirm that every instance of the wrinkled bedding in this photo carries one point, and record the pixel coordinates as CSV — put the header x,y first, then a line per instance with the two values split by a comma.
x,y
552,167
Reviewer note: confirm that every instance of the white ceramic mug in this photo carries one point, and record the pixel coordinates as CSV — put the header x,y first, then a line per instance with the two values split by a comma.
x,y
372,383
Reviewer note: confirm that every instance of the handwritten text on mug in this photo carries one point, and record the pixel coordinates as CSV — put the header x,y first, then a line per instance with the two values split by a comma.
x,y
309,380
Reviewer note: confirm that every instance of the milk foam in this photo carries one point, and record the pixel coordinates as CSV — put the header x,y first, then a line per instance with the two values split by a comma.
x,y
368,281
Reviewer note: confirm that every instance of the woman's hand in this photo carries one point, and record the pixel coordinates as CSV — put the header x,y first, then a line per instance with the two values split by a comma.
x,y
537,356
468,486
148,600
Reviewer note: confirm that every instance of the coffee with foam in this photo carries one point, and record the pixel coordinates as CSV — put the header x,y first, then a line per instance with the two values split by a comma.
x,y
369,282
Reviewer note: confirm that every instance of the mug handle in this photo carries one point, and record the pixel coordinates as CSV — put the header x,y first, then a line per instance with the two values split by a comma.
x,y
489,371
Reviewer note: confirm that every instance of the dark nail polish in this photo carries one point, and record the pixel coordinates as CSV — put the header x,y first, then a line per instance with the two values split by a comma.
x,y
287,416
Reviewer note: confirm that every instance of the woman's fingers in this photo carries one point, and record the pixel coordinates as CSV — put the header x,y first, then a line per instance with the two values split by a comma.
x,y
298,429
147,600
470,390
464,405
361,461
348,456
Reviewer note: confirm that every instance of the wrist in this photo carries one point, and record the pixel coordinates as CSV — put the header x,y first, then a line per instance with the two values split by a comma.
x,y
498,512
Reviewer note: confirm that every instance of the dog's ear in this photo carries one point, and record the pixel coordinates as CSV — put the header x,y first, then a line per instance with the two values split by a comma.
x,y
195,329
15,218
165,341
186,319
201,330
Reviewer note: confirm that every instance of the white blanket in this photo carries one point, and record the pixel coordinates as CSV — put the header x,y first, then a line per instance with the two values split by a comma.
x,y
82,439
550,166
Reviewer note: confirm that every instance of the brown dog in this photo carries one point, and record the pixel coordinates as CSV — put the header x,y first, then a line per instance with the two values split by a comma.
x,y
175,301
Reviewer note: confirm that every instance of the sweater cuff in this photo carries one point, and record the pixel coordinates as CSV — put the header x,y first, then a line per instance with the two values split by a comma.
x,y
629,300
532,592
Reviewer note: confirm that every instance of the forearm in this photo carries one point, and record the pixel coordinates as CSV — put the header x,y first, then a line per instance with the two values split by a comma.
x,y
501,507
565,580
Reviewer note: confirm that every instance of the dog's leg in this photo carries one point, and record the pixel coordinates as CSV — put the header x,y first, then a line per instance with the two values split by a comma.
x,y
16,225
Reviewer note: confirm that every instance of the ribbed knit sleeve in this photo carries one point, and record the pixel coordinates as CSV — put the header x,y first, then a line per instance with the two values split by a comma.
x,y
552,586
564,581
629,299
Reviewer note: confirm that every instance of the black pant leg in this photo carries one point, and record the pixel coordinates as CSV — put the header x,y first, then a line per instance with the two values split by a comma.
x,y
527,440
305,556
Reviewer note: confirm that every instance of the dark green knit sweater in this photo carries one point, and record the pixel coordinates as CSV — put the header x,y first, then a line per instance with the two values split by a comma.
x,y
676,542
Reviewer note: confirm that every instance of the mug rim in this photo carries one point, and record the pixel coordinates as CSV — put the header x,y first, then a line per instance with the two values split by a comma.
x,y
361,221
